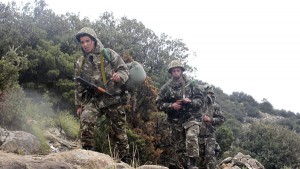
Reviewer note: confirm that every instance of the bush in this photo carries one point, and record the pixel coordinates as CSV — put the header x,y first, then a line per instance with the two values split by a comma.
x,y
69,124
224,138
274,146
37,131
12,104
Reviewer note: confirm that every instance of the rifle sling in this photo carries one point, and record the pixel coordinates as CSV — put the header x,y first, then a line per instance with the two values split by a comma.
x,y
102,68
183,89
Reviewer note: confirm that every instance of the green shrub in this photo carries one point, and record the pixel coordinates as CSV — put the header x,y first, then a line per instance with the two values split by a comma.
x,y
224,138
69,124
12,104
274,146
37,130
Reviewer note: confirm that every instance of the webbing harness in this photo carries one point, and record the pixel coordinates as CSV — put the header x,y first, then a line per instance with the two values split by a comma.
x,y
107,57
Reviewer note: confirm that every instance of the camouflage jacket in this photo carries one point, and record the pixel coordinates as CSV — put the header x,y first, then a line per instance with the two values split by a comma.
x,y
88,67
171,91
212,110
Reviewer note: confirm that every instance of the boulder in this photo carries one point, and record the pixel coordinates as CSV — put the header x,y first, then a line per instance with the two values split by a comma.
x,y
18,142
240,161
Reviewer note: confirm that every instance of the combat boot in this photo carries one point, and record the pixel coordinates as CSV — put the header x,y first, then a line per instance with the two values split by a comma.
x,y
126,160
88,148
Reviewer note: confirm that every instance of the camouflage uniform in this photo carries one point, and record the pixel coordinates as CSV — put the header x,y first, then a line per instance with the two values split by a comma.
x,y
97,104
185,122
207,139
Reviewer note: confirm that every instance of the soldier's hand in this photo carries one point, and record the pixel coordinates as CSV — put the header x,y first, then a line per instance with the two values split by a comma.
x,y
207,120
116,78
79,111
186,100
177,105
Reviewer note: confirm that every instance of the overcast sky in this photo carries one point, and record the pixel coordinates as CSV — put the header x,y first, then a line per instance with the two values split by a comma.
x,y
248,46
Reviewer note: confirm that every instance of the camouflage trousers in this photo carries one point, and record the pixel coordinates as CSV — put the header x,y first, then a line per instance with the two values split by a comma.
x,y
115,116
207,146
184,140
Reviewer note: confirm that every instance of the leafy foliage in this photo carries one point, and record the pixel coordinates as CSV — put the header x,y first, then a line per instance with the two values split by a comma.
x,y
266,106
10,65
69,124
274,146
224,138
12,114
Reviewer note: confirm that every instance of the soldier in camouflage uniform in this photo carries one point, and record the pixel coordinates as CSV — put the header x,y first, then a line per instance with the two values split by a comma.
x,y
182,100
110,75
212,117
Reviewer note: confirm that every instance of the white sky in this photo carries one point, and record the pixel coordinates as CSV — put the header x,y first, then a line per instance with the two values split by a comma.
x,y
247,46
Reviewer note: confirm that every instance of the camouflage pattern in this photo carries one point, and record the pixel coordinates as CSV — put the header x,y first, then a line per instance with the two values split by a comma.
x,y
184,123
207,146
116,118
207,139
97,104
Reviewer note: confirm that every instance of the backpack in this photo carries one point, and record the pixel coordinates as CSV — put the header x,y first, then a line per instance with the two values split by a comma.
x,y
137,74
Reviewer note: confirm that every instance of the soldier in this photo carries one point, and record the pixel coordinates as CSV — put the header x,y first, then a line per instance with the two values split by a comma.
x,y
212,117
181,99
110,75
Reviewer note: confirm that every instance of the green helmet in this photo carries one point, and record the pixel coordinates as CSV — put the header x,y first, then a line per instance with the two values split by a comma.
x,y
175,63
86,31
210,94
208,88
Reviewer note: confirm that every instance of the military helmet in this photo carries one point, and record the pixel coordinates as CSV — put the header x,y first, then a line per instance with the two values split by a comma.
x,y
210,94
86,31
175,63
208,88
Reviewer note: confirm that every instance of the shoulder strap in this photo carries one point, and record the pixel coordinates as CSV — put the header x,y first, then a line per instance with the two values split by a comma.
x,y
104,54
102,68
183,89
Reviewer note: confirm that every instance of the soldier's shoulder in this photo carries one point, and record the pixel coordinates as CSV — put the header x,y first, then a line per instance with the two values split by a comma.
x,y
167,85
194,84
111,52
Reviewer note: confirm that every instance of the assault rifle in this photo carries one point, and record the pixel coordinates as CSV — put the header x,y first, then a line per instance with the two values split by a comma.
x,y
91,86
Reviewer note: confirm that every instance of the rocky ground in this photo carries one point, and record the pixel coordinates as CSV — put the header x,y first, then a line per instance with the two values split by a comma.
x,y
19,150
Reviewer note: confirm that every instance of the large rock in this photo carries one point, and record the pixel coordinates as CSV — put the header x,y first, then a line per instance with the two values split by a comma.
x,y
240,161
18,148
18,142
73,159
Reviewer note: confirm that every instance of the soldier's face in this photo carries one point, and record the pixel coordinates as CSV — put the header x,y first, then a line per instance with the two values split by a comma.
x,y
87,44
176,73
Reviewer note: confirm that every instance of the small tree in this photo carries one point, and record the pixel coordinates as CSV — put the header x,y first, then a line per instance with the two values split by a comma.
x,y
266,107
